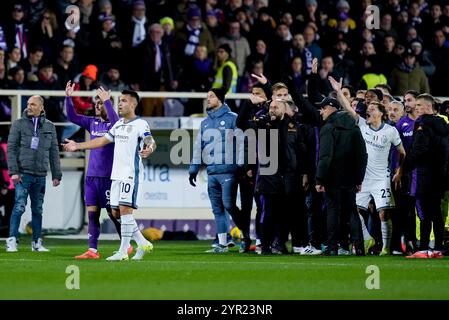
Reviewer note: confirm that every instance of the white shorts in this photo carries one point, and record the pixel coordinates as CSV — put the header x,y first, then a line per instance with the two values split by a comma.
x,y
379,190
124,193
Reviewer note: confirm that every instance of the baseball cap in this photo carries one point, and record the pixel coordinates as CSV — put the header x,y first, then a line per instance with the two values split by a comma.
x,y
330,102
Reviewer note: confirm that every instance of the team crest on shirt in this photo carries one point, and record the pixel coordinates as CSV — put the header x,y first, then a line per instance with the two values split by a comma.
x,y
222,123
129,129
384,139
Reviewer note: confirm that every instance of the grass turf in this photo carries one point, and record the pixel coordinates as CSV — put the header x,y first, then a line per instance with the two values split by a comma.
x,y
181,270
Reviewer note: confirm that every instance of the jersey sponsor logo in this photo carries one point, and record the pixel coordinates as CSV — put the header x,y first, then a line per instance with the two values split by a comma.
x,y
408,134
98,133
119,136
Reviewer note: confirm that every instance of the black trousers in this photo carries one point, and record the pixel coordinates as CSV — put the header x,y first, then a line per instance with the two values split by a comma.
x,y
428,207
272,213
246,186
342,217
404,220
316,218
296,222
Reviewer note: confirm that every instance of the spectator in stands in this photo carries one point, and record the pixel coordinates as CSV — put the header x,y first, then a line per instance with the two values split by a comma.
x,y
261,54
213,25
264,26
326,70
3,77
408,76
17,81
239,45
48,81
157,73
310,37
14,58
245,26
249,81
46,35
168,26
85,82
193,34
422,57
202,67
439,54
34,10
386,28
31,64
387,56
227,74
16,30
111,80
344,65
66,67
106,43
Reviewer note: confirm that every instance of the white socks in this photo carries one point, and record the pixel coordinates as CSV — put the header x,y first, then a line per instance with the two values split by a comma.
x,y
222,239
387,230
127,229
366,235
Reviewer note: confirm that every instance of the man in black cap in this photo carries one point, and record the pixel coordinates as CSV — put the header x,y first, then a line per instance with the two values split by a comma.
x,y
340,171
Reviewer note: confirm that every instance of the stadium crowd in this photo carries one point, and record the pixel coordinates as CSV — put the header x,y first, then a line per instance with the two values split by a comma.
x,y
378,80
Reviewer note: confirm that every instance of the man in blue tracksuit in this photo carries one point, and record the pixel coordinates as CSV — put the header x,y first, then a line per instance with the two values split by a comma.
x,y
215,147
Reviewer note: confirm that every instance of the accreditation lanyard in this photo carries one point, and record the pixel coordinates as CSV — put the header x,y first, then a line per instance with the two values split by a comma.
x,y
35,138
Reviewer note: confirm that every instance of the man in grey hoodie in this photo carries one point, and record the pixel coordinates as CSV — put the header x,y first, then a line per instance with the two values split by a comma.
x,y
32,145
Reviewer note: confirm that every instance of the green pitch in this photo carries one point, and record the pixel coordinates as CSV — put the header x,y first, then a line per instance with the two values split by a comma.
x,y
181,270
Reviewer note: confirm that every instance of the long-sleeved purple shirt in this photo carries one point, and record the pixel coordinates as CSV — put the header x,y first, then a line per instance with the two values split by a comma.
x,y
100,160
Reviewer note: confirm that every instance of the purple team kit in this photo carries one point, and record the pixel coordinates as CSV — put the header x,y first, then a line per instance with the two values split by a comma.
x,y
98,177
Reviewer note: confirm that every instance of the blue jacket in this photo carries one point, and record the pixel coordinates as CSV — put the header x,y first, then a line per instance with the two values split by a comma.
x,y
222,162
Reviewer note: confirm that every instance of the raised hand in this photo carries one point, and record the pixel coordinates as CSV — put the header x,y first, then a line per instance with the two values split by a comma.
x,y
261,78
103,94
69,88
335,84
315,66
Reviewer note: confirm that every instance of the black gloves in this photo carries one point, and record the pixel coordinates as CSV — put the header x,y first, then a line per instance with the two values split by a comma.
x,y
192,179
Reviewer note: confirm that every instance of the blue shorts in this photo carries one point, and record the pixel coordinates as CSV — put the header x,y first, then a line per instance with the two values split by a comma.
x,y
97,191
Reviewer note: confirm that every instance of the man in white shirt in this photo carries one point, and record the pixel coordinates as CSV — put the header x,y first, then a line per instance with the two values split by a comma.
x,y
133,142
378,136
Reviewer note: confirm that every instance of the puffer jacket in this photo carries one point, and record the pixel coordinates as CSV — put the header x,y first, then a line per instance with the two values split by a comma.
x,y
222,119
22,158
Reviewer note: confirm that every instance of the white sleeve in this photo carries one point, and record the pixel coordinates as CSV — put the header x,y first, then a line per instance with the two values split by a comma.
x,y
110,135
361,122
145,130
395,137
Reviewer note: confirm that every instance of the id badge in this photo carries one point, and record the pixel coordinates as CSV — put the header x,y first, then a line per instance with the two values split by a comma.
x,y
34,143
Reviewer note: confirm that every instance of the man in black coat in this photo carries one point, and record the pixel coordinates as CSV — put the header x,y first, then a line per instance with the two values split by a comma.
x,y
280,180
340,171
428,158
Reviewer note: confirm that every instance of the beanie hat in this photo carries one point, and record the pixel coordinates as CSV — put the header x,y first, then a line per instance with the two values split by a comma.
x,y
226,48
90,71
168,20
220,93
139,3
193,11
